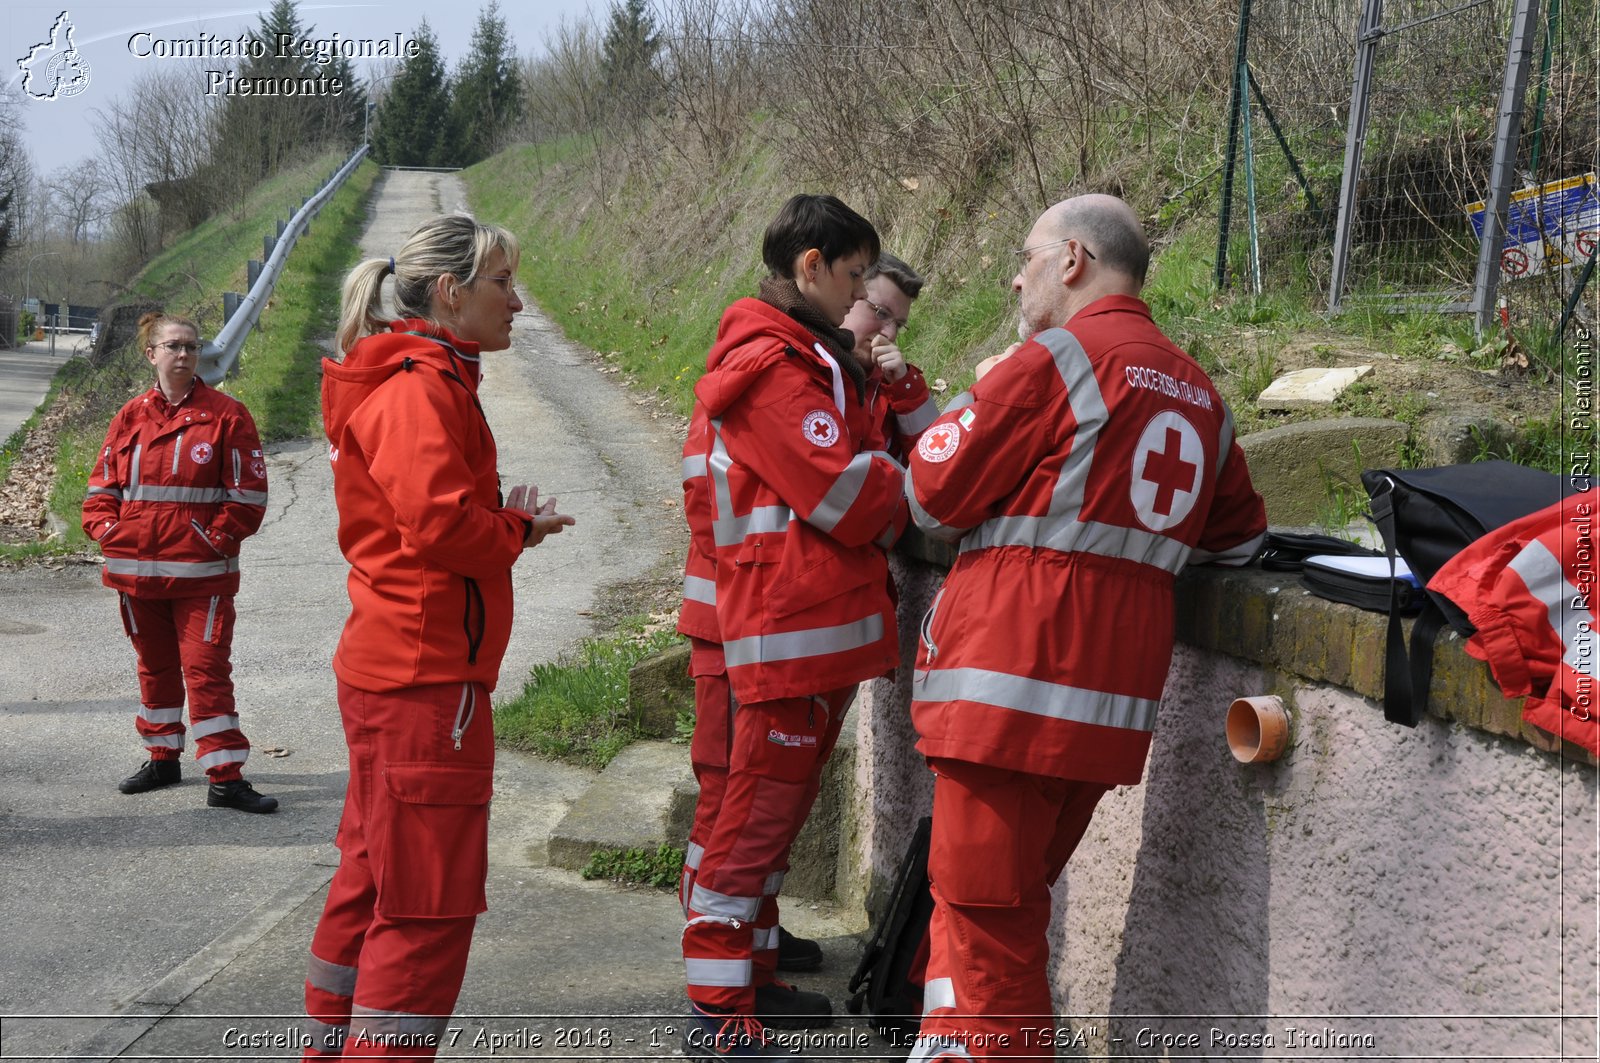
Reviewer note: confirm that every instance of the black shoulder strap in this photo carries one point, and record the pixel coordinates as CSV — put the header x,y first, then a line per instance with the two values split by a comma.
x,y
1405,680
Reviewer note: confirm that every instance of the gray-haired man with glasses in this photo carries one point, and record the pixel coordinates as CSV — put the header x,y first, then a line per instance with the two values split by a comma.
x,y
1086,467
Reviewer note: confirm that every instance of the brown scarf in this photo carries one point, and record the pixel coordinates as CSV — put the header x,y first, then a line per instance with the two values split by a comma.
x,y
783,294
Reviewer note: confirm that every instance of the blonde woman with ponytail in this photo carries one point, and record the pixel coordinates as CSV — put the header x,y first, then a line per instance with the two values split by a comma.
x,y
430,540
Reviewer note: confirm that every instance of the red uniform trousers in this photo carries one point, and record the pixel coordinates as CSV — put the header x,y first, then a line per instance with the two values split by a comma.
x,y
389,954
760,767
1000,840
184,644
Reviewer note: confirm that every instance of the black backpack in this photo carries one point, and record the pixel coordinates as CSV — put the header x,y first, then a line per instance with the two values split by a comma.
x,y
887,983
1427,516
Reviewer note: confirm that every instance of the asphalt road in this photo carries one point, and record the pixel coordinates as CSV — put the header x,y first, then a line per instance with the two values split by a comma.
x,y
103,894
25,374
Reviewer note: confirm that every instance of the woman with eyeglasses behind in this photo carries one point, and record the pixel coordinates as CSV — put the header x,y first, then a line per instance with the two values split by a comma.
x,y
431,542
179,483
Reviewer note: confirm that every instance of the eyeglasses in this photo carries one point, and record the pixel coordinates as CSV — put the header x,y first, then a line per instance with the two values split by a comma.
x,y
504,281
173,347
1026,253
884,315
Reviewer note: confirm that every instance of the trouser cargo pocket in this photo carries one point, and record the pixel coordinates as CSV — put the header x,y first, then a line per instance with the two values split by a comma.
x,y
436,841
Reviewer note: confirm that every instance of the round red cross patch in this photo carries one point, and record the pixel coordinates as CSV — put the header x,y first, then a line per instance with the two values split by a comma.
x,y
200,453
939,443
820,428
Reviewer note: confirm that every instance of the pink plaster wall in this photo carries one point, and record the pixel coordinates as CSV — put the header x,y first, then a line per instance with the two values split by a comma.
x,y
1415,892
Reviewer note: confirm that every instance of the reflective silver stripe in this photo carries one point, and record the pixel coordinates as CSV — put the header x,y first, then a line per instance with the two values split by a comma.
x,y
162,741
917,421
127,566
886,537
766,939
938,993
149,715
721,905
693,855
1088,409
1036,696
211,617
138,460
718,464
846,487
371,1024
727,973
1070,535
960,402
324,1038
248,498
177,452
925,520
330,977
773,884
158,493
1224,438
214,725
811,642
127,607
224,756
114,492
699,589
1234,555
1546,579
929,1048
694,465
731,531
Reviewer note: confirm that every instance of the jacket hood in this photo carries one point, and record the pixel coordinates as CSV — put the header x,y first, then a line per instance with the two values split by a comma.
x,y
751,336
376,358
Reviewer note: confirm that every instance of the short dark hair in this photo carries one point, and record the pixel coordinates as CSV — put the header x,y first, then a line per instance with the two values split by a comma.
x,y
904,277
822,222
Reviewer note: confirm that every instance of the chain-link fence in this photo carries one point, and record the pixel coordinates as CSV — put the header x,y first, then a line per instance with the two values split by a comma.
x,y
1437,72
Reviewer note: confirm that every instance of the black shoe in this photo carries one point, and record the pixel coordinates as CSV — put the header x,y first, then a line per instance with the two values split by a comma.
x,y
152,775
786,1007
797,954
236,793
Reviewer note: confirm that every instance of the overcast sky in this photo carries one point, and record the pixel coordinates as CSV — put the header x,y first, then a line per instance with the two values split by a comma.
x,y
61,132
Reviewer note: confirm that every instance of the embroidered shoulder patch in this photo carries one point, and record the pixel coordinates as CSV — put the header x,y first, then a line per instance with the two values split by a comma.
x,y
939,443
200,453
820,428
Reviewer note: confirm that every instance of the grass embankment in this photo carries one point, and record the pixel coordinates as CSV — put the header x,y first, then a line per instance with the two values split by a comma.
x,y
641,268
277,372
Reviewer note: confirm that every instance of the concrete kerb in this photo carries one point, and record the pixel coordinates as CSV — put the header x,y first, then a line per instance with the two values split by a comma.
x,y
163,996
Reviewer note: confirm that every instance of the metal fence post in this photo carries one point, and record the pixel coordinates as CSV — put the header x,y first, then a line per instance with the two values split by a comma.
x,y
1502,175
1367,38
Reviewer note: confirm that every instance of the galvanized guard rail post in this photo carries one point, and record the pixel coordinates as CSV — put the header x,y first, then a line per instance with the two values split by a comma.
x,y
218,357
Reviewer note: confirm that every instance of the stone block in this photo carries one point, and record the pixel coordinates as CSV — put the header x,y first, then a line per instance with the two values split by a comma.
x,y
659,688
1310,388
1295,466
628,806
1461,435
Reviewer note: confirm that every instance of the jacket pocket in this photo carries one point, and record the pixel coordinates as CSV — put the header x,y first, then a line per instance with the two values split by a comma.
x,y
435,856
199,529
815,569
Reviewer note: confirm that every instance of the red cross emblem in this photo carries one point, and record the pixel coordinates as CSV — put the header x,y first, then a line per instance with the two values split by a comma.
x,y
1166,471
939,442
820,428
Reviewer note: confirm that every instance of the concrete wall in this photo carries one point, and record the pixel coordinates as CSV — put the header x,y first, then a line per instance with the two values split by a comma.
x,y
1380,890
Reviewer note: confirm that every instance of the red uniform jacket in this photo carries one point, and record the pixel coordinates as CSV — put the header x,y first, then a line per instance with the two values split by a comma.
x,y
799,511
174,492
1080,475
420,517
903,410
1528,588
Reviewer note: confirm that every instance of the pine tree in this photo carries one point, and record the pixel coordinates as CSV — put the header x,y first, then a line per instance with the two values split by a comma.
x,y
487,98
628,53
410,128
262,133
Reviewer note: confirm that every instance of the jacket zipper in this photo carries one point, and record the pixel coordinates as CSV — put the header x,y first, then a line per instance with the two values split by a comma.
x,y
927,627
177,452
464,712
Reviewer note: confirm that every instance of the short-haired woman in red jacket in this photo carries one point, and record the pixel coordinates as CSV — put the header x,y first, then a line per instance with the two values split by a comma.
x,y
430,542
179,482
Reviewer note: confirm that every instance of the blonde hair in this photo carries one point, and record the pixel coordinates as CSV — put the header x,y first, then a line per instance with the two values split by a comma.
x,y
456,244
155,319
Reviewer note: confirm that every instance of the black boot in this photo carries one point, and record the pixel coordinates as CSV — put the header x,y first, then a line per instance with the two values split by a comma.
x,y
152,775
236,793
786,1007
797,954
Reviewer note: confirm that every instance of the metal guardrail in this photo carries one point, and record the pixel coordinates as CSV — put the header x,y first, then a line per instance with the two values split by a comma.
x,y
240,312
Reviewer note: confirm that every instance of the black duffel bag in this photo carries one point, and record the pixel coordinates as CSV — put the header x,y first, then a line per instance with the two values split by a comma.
x,y
1427,516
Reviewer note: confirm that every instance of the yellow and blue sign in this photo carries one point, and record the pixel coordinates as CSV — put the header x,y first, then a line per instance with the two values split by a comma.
x,y
1547,226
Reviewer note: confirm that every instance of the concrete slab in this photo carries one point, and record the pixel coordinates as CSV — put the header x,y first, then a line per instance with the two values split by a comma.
x,y
628,808
1310,388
